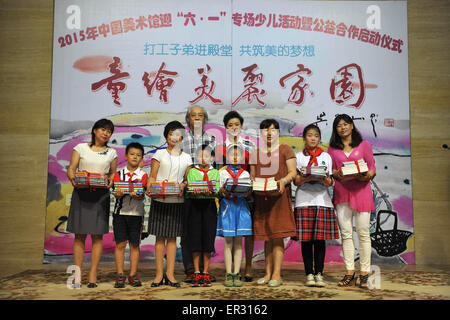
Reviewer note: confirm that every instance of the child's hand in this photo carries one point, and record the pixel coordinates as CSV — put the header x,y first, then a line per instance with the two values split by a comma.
x,y
327,181
137,196
223,192
118,193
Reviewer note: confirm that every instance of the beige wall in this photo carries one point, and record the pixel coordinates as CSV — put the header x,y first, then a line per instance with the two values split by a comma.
x,y
25,91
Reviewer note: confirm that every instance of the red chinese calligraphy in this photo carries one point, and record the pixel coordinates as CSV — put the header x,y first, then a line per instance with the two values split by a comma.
x,y
116,27
92,33
189,16
330,27
297,94
103,29
346,86
128,25
201,90
307,23
111,85
251,91
160,82
341,28
237,18
141,23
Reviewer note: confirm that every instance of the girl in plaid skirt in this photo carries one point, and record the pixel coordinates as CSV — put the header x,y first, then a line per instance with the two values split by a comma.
x,y
314,211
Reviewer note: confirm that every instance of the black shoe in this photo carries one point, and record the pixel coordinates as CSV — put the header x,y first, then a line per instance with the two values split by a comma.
x,y
92,285
248,278
167,282
154,284
120,281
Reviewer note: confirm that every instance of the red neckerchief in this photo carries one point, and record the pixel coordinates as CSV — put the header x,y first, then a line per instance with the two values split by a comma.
x,y
205,173
130,175
235,177
130,183
314,155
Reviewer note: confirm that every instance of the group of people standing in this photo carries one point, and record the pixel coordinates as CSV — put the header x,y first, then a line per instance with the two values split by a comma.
x,y
193,155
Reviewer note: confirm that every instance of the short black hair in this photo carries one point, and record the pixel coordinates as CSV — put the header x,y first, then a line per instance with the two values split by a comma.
x,y
268,122
102,123
336,141
311,126
171,126
230,115
135,145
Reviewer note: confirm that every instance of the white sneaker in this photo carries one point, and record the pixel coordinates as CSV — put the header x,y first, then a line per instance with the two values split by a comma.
x,y
310,282
319,280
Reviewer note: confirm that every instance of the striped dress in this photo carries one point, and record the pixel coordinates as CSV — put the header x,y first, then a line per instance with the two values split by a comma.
x,y
166,217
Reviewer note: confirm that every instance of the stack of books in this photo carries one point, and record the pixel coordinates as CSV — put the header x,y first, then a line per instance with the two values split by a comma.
x,y
164,189
319,172
129,187
354,167
91,179
265,185
240,189
202,186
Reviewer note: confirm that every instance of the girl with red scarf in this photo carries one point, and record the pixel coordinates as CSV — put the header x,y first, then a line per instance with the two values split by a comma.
x,y
314,211
234,219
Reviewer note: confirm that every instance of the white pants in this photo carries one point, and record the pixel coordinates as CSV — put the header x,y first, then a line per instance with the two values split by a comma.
x,y
362,223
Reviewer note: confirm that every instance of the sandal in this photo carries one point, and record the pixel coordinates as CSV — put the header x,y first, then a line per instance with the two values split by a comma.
x,y
347,281
92,285
363,281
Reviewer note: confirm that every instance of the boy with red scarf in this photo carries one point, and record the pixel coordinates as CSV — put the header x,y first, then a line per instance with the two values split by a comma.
x,y
314,211
202,215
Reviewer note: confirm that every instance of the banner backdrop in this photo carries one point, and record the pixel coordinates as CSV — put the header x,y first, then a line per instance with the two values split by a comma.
x,y
142,64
